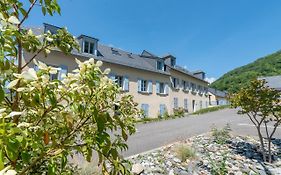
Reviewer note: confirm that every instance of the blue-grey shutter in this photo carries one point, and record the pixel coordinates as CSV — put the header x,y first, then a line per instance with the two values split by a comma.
x,y
62,72
149,86
157,87
162,109
139,85
166,89
147,110
126,84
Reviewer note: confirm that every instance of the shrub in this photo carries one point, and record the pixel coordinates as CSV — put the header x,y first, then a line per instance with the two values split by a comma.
x,y
44,122
211,109
179,112
184,152
221,135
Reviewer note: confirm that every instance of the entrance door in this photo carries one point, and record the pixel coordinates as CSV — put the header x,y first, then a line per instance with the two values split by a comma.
x,y
193,105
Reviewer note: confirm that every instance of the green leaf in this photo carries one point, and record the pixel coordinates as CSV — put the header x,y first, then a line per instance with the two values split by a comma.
x,y
1,160
2,94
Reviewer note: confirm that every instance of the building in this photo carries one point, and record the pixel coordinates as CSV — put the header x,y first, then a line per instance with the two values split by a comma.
x,y
217,97
273,82
157,83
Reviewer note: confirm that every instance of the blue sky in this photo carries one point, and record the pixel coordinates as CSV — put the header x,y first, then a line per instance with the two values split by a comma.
x,y
213,35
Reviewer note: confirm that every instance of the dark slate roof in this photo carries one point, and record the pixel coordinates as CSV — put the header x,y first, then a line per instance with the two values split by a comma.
x,y
145,61
217,92
273,81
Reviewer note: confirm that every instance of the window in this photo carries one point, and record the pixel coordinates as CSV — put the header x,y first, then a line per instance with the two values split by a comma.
x,y
86,46
185,104
201,104
145,86
160,65
145,110
200,89
119,80
185,85
162,109
160,88
193,87
173,62
175,83
176,104
89,47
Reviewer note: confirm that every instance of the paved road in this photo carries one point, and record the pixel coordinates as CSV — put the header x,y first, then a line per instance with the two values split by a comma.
x,y
153,135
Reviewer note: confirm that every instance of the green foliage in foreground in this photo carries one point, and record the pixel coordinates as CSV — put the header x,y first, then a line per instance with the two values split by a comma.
x,y
211,109
241,77
44,122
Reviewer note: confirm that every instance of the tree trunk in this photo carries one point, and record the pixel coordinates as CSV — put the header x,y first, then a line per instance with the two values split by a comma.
x,y
262,143
269,150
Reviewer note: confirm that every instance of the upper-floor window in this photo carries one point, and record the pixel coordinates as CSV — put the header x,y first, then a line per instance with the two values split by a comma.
x,y
175,82
193,87
173,62
162,88
88,47
121,81
145,86
160,65
185,85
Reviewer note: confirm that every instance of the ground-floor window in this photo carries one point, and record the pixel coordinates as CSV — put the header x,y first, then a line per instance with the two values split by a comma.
x,y
162,109
185,104
144,108
201,104
176,103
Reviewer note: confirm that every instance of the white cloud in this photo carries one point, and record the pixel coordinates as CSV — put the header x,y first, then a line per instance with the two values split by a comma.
x,y
211,79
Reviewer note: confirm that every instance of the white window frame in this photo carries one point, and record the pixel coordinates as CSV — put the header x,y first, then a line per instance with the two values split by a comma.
x,y
90,44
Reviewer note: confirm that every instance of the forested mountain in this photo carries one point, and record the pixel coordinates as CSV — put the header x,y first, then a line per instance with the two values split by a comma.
x,y
266,66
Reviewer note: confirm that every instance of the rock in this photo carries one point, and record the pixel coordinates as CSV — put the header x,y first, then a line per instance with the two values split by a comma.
x,y
137,169
176,160
169,163
171,172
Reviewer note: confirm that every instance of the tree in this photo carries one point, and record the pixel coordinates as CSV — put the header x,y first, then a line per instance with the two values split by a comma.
x,y
43,122
262,105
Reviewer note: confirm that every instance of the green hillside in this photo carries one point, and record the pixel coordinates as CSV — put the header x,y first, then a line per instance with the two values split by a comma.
x,y
266,66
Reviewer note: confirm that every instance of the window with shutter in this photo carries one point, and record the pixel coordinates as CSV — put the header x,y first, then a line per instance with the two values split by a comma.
x,y
145,110
62,72
185,104
176,105
162,109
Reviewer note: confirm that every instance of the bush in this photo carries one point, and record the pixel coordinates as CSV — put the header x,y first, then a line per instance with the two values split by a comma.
x,y
44,122
221,135
184,152
179,112
211,109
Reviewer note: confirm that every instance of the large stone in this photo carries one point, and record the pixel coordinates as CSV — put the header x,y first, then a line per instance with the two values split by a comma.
x,y
137,169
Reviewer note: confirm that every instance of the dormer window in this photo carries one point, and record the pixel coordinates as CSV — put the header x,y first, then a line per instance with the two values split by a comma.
x,y
88,47
173,62
160,65
88,44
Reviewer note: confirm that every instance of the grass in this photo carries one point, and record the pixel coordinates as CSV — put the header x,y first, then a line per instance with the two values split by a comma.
x,y
210,109
184,152
221,135
168,117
